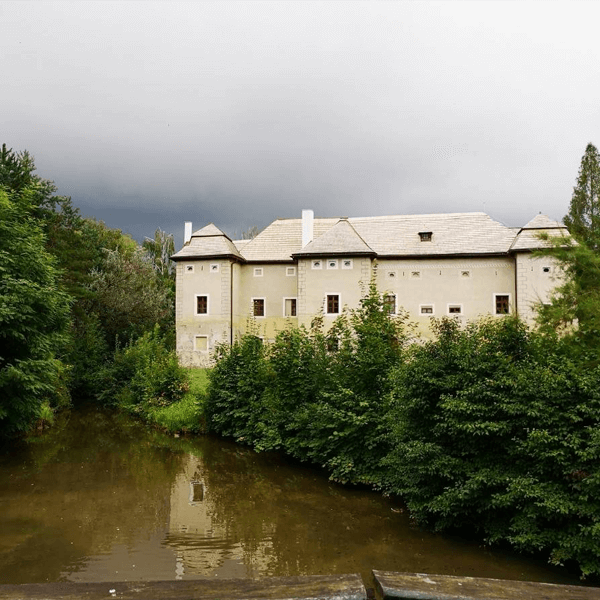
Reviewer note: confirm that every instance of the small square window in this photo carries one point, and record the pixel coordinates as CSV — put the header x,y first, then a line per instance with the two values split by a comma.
x,y
502,304
290,271
333,304
289,307
332,264
189,268
201,305
389,304
258,272
415,274
426,236
347,263
426,309
454,309
214,268
201,343
258,307
317,264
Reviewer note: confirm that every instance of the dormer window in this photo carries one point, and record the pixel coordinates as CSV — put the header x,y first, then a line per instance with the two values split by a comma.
x,y
426,236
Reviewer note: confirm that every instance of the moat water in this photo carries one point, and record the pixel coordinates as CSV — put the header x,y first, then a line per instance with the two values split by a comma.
x,y
102,498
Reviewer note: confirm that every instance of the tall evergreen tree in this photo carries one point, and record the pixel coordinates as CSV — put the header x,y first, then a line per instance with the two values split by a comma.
x,y
583,219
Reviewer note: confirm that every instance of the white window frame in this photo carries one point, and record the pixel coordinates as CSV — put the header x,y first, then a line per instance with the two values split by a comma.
x,y
212,268
430,305
196,349
347,260
509,304
332,263
258,272
196,296
264,307
188,269
454,304
315,266
290,271
284,301
326,312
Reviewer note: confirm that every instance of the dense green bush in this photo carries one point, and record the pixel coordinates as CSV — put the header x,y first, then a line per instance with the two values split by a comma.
x,y
144,375
487,427
494,430
318,396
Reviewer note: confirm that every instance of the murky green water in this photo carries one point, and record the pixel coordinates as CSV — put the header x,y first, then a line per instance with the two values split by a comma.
x,y
100,498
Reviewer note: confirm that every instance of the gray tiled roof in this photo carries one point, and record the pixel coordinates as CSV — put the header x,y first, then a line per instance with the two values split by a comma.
x,y
457,233
340,239
529,238
281,239
543,222
398,235
207,242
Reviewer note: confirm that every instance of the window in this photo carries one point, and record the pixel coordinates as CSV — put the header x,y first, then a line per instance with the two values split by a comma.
x,y
454,309
317,264
502,304
196,492
201,305
389,303
332,306
332,264
290,271
546,269
426,309
258,272
258,307
347,263
391,274
214,268
426,236
289,307
189,268
201,343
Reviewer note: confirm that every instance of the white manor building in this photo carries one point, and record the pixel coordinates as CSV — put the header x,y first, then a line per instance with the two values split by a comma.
x,y
463,265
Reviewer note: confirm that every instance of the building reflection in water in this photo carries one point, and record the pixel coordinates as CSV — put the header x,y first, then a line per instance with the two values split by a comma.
x,y
203,546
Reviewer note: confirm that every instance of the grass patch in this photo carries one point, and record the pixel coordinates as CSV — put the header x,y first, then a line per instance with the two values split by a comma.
x,y
188,413
198,381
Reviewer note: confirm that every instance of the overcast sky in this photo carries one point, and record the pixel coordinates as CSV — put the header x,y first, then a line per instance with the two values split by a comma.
x,y
150,114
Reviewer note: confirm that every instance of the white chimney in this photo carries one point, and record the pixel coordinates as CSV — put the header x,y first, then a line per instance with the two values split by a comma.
x,y
188,232
307,226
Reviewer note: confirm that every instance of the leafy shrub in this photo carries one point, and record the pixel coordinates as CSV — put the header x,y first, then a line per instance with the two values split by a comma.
x,y
146,374
493,430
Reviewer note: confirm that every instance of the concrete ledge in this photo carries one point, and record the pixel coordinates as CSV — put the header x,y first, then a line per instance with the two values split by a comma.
x,y
326,587
419,586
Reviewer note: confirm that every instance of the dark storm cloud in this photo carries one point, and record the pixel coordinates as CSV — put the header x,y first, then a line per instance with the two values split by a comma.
x,y
150,114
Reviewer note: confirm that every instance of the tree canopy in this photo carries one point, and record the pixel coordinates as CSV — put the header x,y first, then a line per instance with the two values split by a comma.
x,y
583,218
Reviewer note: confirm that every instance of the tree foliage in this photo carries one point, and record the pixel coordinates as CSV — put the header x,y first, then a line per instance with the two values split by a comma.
x,y
583,218
494,429
34,314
